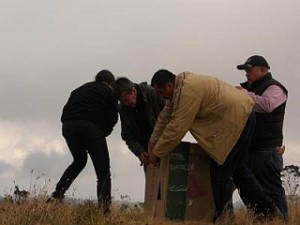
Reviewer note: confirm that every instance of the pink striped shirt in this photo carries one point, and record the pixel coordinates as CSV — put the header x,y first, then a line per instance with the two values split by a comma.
x,y
272,97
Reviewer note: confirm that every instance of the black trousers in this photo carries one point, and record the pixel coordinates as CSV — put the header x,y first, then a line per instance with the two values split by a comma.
x,y
83,138
235,170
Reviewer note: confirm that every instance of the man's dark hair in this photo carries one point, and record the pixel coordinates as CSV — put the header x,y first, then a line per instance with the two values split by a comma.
x,y
161,77
105,76
122,84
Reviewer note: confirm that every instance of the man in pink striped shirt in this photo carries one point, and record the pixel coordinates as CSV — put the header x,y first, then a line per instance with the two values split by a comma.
x,y
270,98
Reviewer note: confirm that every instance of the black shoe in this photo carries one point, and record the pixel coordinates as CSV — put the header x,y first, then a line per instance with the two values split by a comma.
x,y
55,198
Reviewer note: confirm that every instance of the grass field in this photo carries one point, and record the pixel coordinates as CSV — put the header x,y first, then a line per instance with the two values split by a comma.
x,y
37,212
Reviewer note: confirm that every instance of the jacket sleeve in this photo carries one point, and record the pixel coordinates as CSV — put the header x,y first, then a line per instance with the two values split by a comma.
x,y
186,105
111,114
128,135
162,120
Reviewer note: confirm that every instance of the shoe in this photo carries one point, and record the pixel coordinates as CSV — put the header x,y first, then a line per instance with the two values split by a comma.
x,y
54,198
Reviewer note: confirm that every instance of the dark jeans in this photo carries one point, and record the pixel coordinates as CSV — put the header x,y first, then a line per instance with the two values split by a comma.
x,y
267,165
84,137
235,169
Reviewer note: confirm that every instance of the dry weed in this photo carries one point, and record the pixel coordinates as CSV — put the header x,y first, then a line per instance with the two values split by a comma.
x,y
38,212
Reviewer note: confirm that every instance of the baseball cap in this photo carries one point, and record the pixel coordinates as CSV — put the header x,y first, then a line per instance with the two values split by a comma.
x,y
255,60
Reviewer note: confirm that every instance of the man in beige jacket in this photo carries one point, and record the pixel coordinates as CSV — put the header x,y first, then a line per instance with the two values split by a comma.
x,y
221,120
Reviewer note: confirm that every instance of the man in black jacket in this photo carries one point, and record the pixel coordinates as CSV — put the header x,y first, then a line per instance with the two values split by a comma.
x,y
88,118
139,108
270,98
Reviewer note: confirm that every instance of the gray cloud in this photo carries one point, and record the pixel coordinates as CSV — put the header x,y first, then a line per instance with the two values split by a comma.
x,y
4,167
50,48
41,163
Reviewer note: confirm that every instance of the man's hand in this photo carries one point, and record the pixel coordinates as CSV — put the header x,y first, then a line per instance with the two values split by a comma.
x,y
153,159
151,145
144,158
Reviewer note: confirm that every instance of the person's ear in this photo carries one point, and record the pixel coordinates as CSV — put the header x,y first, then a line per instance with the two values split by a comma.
x,y
133,91
264,70
168,86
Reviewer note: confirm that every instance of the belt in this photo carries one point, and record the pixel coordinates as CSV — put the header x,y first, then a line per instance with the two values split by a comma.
x,y
279,149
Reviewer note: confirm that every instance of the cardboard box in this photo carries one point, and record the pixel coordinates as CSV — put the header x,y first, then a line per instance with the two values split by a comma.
x,y
179,188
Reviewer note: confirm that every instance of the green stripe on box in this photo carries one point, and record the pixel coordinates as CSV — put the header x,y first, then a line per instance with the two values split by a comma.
x,y
178,182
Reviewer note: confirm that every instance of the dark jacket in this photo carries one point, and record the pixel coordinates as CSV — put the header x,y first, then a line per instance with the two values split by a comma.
x,y
136,131
268,129
93,101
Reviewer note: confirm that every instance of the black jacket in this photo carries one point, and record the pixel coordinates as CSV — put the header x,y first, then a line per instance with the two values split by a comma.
x,y
93,101
135,133
268,129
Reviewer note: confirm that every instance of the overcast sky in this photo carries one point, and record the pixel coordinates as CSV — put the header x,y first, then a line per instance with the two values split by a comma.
x,y
48,48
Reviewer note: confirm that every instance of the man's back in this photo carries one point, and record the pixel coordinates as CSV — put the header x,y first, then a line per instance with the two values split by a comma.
x,y
213,111
94,102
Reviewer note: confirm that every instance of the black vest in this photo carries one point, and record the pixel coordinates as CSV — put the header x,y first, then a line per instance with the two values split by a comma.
x,y
268,129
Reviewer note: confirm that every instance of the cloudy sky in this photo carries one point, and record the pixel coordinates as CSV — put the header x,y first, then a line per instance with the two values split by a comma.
x,y
48,48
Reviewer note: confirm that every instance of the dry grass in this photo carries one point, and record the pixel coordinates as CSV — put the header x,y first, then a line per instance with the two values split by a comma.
x,y
38,212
